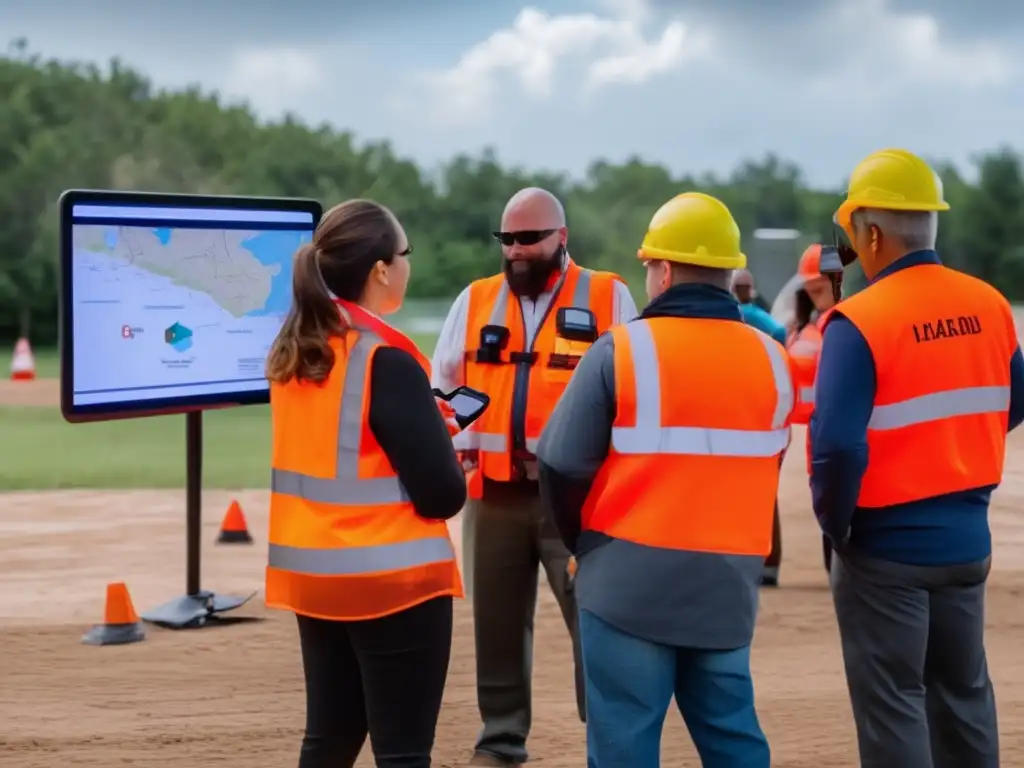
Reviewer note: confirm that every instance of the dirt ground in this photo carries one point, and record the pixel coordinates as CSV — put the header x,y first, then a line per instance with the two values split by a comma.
x,y
232,695
38,392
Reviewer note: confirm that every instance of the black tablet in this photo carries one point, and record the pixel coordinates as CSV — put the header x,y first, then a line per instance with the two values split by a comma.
x,y
169,303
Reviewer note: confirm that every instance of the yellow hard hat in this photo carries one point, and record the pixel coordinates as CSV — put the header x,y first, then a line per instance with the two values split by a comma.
x,y
892,180
694,228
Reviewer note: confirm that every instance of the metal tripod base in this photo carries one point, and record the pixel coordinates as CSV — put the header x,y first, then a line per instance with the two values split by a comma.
x,y
194,611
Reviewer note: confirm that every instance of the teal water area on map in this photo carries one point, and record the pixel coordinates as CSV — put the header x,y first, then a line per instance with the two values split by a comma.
x,y
276,249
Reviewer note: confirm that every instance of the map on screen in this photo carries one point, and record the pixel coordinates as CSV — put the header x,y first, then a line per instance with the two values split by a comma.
x,y
172,303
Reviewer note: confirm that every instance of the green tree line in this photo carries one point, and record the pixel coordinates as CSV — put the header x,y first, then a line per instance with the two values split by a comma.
x,y
68,124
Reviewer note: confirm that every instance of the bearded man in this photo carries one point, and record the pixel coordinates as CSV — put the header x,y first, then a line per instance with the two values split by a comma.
x,y
517,336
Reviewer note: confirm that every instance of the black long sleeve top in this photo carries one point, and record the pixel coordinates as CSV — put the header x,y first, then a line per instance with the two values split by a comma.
x,y
405,419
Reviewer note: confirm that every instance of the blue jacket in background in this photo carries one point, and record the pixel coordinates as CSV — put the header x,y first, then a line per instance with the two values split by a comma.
x,y
763,321
943,530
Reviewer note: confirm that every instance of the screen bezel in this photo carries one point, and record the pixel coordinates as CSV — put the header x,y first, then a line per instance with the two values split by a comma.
x,y
163,406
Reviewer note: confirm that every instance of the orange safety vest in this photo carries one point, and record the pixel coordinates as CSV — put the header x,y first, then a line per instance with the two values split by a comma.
x,y
941,343
695,449
804,349
346,543
525,382
806,373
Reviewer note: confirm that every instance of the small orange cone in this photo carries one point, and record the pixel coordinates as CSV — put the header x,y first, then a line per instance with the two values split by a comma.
x,y
23,363
233,528
121,623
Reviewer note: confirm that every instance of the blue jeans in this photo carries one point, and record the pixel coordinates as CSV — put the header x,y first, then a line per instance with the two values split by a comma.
x,y
630,683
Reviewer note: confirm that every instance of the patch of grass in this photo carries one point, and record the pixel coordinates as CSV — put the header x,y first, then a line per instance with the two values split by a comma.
x,y
40,451
47,362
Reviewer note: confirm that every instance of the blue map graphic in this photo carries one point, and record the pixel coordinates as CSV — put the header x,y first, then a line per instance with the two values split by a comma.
x,y
277,248
270,248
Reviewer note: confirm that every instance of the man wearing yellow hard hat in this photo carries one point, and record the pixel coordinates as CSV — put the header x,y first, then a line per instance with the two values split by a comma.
x,y
660,465
920,377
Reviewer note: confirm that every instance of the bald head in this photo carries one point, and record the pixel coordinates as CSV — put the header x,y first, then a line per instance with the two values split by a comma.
x,y
532,208
533,238
742,277
743,285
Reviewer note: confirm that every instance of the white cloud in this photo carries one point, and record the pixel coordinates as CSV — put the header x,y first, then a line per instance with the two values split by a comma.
x,y
902,50
532,51
637,11
647,60
274,78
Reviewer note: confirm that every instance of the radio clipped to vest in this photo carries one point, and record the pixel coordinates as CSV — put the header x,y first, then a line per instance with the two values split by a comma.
x,y
493,341
576,330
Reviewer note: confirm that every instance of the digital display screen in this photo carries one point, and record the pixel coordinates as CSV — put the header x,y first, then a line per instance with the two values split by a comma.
x,y
174,304
464,405
578,317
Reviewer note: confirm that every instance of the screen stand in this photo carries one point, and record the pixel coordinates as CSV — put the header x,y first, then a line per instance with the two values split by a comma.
x,y
197,606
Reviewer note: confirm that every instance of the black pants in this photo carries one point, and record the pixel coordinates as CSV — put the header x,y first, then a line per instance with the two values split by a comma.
x,y
384,677
774,559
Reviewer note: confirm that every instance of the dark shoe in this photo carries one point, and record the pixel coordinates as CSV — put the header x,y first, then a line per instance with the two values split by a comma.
x,y
485,759
770,576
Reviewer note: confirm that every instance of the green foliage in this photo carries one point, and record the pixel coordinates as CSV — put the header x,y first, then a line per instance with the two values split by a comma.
x,y
71,125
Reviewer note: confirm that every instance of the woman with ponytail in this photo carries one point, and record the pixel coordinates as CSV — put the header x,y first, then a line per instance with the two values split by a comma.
x,y
364,477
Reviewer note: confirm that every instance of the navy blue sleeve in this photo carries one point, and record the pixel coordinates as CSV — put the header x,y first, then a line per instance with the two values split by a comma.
x,y
844,396
1016,389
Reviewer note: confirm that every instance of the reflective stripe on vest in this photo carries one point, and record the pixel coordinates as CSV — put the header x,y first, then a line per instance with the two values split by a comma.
x,y
650,437
970,401
498,442
348,489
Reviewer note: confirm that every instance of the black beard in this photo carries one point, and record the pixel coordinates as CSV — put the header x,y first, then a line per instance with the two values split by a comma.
x,y
533,280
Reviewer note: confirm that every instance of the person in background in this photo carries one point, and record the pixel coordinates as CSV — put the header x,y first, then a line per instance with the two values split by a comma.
x,y
504,336
359,547
814,300
919,381
753,296
754,314
660,465
742,287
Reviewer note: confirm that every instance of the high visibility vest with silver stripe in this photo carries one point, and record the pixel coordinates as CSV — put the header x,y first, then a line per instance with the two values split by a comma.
x,y
649,436
939,419
347,488
497,442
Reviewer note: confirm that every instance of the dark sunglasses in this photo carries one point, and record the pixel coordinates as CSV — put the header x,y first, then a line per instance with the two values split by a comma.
x,y
524,237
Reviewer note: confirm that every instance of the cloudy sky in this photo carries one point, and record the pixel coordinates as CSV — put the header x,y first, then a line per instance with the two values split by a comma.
x,y
698,85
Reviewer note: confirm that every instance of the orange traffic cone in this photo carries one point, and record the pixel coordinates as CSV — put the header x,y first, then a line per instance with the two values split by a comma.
x,y
233,528
23,363
121,623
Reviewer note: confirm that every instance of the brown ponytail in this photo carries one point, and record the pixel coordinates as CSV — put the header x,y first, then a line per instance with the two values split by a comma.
x,y
350,239
302,349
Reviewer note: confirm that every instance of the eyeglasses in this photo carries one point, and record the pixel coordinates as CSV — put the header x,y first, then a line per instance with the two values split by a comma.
x,y
523,237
